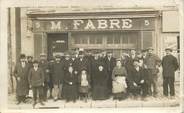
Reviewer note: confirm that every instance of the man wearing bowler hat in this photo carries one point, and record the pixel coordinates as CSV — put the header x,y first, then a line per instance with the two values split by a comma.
x,y
151,63
170,65
21,74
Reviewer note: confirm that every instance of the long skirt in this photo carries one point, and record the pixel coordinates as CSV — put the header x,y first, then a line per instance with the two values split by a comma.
x,y
99,92
70,92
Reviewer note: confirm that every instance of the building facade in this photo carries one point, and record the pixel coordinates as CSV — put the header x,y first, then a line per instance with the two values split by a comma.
x,y
55,30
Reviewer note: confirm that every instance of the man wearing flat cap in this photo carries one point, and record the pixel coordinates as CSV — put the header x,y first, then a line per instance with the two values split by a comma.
x,y
57,77
43,63
36,80
170,65
151,63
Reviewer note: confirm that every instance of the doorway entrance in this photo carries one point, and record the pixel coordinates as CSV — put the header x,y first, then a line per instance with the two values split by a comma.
x,y
57,43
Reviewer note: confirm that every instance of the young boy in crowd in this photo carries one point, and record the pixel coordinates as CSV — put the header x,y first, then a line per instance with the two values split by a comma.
x,y
36,81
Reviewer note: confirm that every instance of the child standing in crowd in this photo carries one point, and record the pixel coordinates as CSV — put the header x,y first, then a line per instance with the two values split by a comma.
x,y
84,86
119,85
36,81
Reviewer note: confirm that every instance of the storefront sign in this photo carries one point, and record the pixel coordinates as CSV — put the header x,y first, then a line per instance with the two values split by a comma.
x,y
93,24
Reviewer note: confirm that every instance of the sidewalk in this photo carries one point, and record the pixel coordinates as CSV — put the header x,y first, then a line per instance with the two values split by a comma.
x,y
160,101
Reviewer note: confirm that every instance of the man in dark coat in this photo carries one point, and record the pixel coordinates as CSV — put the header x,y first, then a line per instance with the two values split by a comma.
x,y
67,61
21,74
110,63
50,65
45,67
57,77
81,63
152,63
170,65
129,63
36,81
137,80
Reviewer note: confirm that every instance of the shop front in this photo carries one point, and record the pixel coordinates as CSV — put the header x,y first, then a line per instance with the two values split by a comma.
x,y
118,33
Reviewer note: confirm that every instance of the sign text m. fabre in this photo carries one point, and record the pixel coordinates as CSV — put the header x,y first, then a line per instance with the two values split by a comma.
x,y
93,24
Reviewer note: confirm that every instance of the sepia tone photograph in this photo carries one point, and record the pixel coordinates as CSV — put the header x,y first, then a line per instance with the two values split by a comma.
x,y
124,55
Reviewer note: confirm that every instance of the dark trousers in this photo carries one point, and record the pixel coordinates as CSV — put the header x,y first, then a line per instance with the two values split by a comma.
x,y
37,90
109,84
168,83
45,90
152,82
21,98
135,91
144,89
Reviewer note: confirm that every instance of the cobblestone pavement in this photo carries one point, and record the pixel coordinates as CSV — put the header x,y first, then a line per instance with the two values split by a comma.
x,y
160,101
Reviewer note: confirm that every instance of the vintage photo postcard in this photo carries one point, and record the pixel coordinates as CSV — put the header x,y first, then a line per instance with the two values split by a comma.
x,y
120,55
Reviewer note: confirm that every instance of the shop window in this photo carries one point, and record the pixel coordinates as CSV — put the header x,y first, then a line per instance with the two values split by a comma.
x,y
77,40
84,40
99,40
92,40
116,39
109,40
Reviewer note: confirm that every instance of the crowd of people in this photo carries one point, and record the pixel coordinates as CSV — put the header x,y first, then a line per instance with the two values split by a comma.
x,y
98,76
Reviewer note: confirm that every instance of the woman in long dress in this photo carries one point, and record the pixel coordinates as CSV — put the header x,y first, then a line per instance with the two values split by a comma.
x,y
100,90
70,90
119,74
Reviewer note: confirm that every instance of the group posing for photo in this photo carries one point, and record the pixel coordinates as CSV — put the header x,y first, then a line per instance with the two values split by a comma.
x,y
98,76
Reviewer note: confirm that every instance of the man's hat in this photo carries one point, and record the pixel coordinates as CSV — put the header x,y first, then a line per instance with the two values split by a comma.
x,y
35,62
118,59
143,50
29,57
42,55
150,48
22,56
81,52
67,53
168,49
57,56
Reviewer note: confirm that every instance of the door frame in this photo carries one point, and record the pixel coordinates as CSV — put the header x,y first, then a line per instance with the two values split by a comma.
x,y
45,40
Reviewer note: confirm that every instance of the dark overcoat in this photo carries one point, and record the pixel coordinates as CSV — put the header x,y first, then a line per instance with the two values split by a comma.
x,y
70,91
170,65
100,88
58,73
80,65
109,66
22,87
36,77
45,67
